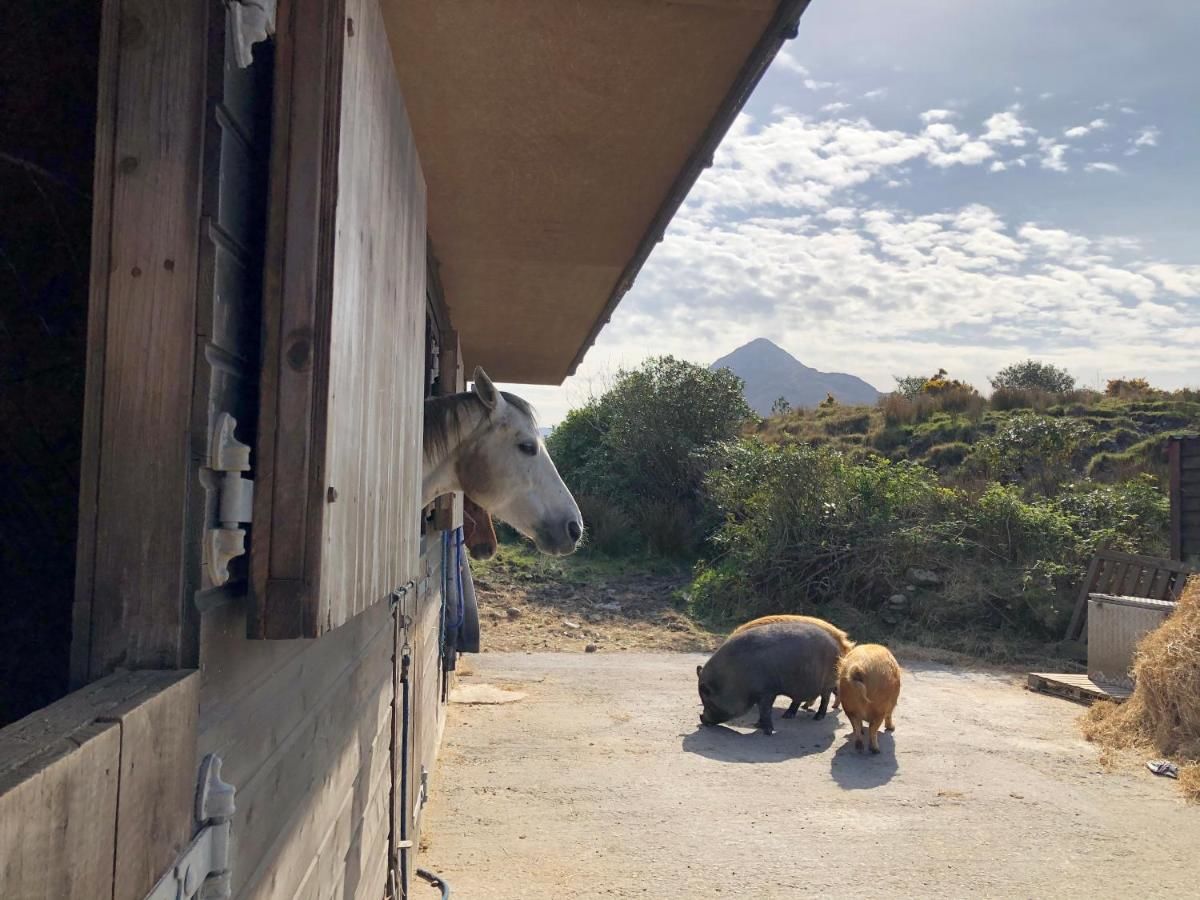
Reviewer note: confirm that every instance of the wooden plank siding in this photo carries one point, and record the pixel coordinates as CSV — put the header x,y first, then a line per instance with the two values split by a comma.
x,y
1184,458
337,483
132,606
96,790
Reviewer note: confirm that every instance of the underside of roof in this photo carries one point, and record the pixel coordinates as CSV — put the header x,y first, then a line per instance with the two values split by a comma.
x,y
557,138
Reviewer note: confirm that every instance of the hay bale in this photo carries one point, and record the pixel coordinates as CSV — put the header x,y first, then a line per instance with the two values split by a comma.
x,y
1163,714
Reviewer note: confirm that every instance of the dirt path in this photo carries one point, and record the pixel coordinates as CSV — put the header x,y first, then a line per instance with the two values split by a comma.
x,y
600,784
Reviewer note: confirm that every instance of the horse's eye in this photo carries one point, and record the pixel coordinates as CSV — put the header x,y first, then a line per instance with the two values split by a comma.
x,y
529,448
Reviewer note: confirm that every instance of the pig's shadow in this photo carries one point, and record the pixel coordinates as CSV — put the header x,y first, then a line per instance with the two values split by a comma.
x,y
801,736
856,770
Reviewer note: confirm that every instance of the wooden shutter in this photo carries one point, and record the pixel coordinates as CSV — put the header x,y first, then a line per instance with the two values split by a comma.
x,y
338,473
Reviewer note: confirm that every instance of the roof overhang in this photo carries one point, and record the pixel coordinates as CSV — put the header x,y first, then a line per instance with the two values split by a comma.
x,y
558,138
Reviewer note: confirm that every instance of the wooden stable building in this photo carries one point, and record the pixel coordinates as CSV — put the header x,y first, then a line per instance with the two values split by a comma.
x,y
306,216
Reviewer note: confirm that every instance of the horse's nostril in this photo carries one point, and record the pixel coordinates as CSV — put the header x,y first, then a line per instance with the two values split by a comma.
x,y
574,530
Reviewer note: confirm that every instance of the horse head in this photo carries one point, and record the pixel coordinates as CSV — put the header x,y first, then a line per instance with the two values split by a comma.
x,y
486,444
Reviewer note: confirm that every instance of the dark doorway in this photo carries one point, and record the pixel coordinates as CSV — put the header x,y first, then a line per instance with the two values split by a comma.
x,y
48,59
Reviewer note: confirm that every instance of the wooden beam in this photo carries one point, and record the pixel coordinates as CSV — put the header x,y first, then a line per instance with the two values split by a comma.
x,y
1175,465
96,789
132,604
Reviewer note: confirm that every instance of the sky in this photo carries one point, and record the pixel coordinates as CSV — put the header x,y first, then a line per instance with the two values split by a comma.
x,y
942,183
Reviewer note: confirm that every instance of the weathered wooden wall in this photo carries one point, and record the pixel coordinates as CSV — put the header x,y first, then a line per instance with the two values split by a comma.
x,y
338,464
96,790
373,460
1185,499
309,729
133,586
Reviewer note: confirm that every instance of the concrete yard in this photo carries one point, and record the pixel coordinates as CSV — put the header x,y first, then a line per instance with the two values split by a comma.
x,y
601,783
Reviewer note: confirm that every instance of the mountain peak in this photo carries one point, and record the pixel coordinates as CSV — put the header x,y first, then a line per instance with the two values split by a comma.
x,y
771,372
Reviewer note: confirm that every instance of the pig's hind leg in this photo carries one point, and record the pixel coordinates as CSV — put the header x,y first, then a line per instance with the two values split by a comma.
x,y
824,707
793,709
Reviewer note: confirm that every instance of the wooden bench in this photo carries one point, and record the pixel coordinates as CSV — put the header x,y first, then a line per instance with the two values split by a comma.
x,y
1127,575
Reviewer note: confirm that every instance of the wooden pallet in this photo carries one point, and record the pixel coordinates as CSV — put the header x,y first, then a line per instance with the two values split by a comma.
x,y
1079,688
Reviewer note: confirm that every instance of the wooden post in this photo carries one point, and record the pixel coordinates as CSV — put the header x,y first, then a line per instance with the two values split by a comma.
x,y
132,604
1175,464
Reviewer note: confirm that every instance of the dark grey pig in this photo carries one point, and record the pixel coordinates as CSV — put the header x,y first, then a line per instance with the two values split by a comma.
x,y
795,659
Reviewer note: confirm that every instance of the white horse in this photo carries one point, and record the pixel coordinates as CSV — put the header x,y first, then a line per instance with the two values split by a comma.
x,y
485,443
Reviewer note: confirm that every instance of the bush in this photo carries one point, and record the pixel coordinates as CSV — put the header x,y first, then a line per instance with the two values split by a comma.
x,y
900,410
1023,398
1031,375
1033,450
1131,389
642,442
804,525
945,457
858,423
668,529
608,529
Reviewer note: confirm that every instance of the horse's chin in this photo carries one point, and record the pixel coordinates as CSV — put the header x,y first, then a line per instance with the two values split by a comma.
x,y
556,549
552,547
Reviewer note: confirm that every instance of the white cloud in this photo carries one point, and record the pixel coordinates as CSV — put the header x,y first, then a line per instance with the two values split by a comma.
x,y
877,94
1128,110
997,166
1006,128
1053,154
1080,130
813,85
1101,167
787,61
893,291
938,115
1147,137
1045,95
835,107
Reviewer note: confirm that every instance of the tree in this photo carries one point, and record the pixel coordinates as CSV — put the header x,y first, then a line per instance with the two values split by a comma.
x,y
780,406
638,441
909,385
1030,374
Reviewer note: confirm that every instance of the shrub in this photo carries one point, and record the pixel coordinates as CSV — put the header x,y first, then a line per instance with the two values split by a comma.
x,y
668,529
1006,398
639,441
1032,449
908,386
858,423
945,457
1032,375
608,529
952,398
1130,388
806,525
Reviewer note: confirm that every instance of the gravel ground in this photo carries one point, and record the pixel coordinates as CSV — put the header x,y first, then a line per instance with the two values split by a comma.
x,y
598,782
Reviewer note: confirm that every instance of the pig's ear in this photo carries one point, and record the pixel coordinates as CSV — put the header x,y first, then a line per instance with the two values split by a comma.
x,y
699,669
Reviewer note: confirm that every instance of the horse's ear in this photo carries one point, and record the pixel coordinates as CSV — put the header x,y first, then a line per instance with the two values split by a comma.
x,y
484,389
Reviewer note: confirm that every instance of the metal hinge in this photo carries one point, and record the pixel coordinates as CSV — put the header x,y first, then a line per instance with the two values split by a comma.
x,y
228,458
250,21
202,871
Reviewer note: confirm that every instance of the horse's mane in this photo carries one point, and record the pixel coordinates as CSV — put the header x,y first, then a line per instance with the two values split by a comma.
x,y
445,418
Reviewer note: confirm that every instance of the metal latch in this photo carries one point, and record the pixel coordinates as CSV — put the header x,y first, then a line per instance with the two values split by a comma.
x,y
228,458
202,871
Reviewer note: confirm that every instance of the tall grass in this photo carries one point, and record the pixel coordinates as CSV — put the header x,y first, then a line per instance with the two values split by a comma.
x,y
900,410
